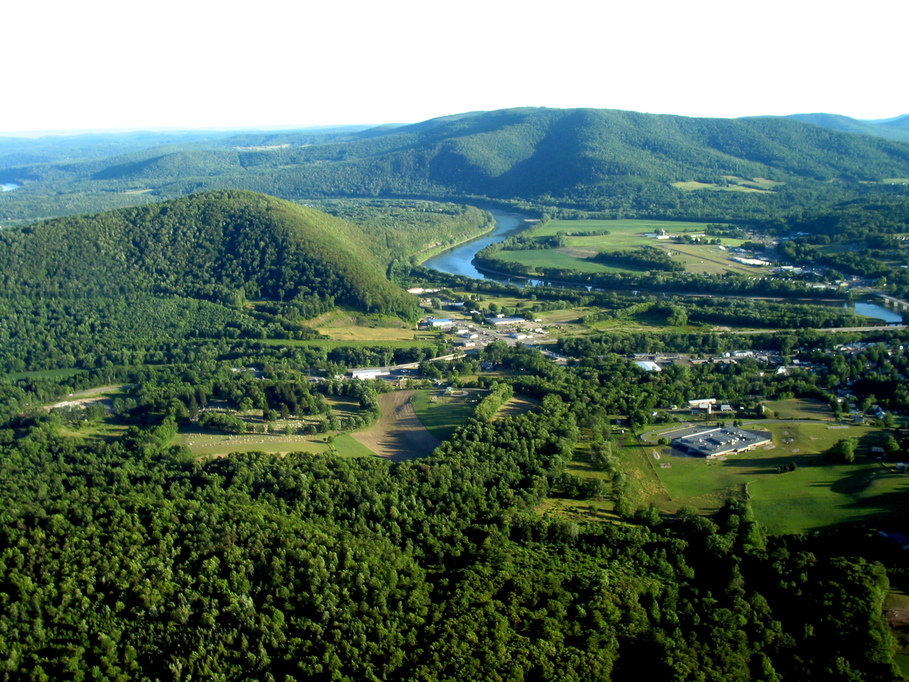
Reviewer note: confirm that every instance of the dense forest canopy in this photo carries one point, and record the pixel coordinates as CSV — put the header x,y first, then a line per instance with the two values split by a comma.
x,y
582,159
222,246
125,554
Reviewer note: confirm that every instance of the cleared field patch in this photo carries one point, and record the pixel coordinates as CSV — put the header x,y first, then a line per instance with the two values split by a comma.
x,y
896,610
815,495
442,413
45,374
586,238
341,325
798,408
519,404
398,434
731,183
538,259
616,226
211,444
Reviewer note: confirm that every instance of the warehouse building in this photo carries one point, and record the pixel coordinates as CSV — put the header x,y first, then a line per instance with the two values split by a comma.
x,y
719,441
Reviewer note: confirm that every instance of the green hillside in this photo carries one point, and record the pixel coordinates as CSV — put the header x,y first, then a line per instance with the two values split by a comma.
x,y
216,245
587,159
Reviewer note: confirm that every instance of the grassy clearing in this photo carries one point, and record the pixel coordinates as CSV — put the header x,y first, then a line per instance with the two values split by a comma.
x,y
45,374
797,408
94,431
733,183
616,226
336,343
208,444
347,446
519,404
342,325
816,495
441,414
896,609
397,434
623,235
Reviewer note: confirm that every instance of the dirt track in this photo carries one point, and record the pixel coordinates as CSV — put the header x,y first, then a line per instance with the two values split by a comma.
x,y
397,434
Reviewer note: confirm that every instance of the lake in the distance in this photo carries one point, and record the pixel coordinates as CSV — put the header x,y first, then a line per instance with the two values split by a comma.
x,y
9,186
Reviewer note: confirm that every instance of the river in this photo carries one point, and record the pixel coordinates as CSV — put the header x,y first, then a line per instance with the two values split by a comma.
x,y
458,260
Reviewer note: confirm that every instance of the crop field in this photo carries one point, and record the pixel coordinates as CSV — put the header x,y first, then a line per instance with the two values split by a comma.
x,y
623,235
397,434
441,414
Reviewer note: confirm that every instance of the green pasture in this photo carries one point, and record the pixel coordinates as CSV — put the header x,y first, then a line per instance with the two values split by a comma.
x,y
555,258
732,183
441,414
624,235
94,431
798,408
615,227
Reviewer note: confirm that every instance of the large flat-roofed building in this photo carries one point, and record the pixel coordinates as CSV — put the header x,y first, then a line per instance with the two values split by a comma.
x,y
718,441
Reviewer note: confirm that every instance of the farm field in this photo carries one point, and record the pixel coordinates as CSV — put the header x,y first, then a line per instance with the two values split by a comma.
x,y
441,414
397,434
623,235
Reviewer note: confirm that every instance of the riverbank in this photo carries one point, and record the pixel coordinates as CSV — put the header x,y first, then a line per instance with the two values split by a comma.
x,y
423,255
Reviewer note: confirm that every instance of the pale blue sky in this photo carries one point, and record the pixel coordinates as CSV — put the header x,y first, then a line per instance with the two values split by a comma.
x,y
98,64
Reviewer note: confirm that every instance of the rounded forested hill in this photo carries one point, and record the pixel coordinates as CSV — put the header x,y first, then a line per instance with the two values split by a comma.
x,y
224,245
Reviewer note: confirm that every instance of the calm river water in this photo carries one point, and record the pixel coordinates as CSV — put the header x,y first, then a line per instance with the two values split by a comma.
x,y
457,260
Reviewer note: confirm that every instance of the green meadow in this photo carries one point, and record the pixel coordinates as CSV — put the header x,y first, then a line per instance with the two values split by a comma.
x,y
579,248
442,413
815,495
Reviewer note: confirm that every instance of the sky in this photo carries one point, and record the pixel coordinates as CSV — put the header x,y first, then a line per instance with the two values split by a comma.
x,y
98,65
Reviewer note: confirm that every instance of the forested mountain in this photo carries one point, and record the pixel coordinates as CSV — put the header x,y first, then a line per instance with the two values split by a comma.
x,y
220,246
575,158
890,128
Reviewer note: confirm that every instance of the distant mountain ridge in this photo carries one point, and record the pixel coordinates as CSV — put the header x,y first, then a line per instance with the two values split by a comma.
x,y
896,128
582,158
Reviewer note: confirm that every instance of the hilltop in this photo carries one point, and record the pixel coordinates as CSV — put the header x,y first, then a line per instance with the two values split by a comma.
x,y
223,246
587,159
